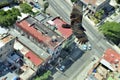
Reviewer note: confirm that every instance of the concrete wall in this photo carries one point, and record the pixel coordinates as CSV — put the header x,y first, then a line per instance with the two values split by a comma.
x,y
6,49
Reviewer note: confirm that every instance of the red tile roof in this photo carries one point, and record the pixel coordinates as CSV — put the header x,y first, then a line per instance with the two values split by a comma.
x,y
93,2
66,33
33,58
111,56
24,25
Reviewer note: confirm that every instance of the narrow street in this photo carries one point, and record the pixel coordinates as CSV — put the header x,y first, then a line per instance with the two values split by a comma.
x,y
99,44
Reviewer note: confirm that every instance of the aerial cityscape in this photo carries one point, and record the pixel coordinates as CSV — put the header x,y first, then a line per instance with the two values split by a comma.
x,y
59,39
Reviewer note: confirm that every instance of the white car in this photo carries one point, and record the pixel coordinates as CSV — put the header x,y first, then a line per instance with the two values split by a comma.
x,y
89,47
84,47
62,68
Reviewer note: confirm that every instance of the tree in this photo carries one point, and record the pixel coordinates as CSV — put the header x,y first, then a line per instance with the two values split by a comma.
x,y
111,30
45,76
99,14
46,5
73,0
25,8
4,3
16,12
8,18
118,1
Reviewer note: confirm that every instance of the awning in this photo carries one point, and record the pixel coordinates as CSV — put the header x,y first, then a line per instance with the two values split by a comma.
x,y
107,64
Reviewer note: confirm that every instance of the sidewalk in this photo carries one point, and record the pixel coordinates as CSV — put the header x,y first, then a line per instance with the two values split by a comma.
x,y
82,75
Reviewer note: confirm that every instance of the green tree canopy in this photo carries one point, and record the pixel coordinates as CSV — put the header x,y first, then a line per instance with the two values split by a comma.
x,y
73,0
112,31
46,5
44,76
4,3
8,18
99,14
25,8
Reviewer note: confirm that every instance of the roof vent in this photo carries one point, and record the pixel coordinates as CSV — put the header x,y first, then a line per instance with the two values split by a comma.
x,y
54,39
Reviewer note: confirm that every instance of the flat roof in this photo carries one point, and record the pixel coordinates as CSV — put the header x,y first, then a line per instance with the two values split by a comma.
x,y
40,32
28,53
111,56
40,17
27,74
3,30
34,58
93,2
5,39
89,1
33,47
65,32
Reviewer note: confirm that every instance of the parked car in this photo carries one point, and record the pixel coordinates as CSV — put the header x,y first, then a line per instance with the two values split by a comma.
x,y
84,47
89,47
64,65
31,3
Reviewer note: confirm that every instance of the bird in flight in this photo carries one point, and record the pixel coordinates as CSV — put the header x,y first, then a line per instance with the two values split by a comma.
x,y
76,23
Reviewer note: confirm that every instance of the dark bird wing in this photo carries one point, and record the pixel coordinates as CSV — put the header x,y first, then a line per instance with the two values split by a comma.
x,y
76,23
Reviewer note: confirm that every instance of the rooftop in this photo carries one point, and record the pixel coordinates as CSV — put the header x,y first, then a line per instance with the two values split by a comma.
x,y
5,38
24,47
111,56
40,17
34,58
58,22
108,65
3,30
40,32
29,54
28,72
93,2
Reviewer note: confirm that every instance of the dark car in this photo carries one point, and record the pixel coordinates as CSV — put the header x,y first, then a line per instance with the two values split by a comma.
x,y
32,3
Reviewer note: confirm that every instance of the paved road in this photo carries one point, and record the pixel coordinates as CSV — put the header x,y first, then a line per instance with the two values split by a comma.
x,y
99,44
62,8
96,38
78,66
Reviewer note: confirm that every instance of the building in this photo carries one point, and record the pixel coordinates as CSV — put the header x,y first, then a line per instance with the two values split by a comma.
x,y
95,5
56,25
17,61
113,58
42,36
6,45
107,68
32,61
